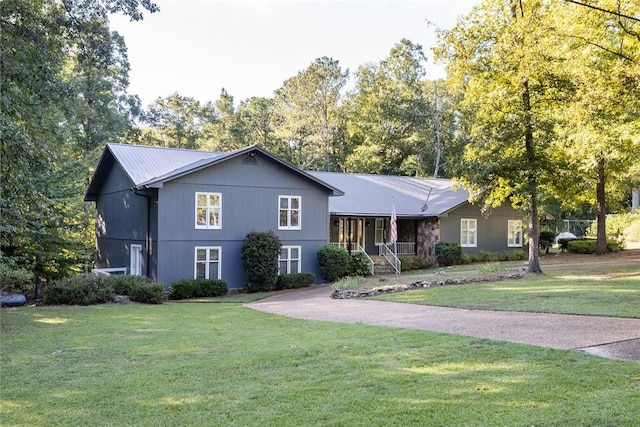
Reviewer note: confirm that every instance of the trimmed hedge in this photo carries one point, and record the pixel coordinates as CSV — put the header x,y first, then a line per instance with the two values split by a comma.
x,y
590,246
295,280
197,288
448,253
260,251
333,263
89,290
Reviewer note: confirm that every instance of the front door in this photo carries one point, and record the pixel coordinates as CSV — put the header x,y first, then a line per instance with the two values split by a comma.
x,y
135,265
351,232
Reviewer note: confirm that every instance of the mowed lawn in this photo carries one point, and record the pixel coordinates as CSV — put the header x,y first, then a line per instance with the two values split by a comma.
x,y
597,290
205,364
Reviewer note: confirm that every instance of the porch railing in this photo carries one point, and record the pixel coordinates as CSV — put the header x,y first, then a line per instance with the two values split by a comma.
x,y
109,271
391,258
404,248
356,248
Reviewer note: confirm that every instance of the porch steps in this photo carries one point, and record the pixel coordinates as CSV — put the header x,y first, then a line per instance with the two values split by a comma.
x,y
381,265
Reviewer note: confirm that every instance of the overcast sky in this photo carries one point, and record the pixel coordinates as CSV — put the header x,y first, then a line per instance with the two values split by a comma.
x,y
249,47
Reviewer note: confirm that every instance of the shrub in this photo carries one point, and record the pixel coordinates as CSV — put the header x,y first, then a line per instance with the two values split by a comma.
x,y
412,263
448,253
564,243
125,284
620,227
512,255
260,252
211,288
183,289
359,265
295,280
484,256
590,246
333,263
149,293
15,279
546,239
78,291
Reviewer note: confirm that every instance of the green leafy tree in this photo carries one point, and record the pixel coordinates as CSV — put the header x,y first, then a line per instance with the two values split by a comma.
x,y
62,77
176,121
601,122
499,60
389,117
306,113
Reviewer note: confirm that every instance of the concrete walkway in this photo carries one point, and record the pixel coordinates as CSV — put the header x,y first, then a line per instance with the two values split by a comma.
x,y
604,336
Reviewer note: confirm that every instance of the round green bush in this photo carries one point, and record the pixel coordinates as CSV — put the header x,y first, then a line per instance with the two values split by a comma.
x,y
333,263
448,253
358,265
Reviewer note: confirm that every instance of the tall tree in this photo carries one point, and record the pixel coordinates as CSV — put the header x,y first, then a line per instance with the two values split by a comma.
x,y
499,59
389,117
226,132
306,109
256,115
51,116
601,123
176,121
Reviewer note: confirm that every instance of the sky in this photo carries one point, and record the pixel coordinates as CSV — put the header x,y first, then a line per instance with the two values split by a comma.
x,y
250,47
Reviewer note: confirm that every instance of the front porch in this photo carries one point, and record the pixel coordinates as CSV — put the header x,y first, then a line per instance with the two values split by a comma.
x,y
370,235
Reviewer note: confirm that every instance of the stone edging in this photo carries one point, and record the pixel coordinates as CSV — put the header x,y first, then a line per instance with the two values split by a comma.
x,y
361,293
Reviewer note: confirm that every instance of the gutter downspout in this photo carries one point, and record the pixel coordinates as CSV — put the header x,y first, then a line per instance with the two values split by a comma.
x,y
148,236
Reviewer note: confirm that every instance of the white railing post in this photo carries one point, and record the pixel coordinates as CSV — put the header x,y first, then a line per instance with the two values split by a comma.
x,y
391,258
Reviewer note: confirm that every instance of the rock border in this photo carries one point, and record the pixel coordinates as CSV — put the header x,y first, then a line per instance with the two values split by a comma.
x,y
420,284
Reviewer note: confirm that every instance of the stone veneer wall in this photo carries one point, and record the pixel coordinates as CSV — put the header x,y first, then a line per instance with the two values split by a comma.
x,y
428,236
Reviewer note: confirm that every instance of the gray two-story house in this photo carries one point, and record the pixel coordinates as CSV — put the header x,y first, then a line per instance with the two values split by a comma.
x,y
173,214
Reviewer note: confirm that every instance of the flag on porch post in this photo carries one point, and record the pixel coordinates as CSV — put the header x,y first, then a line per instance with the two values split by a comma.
x,y
394,225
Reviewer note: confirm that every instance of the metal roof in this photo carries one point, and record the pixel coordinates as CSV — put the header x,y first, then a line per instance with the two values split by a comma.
x,y
376,195
152,166
144,163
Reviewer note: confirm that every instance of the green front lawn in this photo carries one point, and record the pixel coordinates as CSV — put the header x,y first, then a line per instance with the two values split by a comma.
x,y
224,364
601,291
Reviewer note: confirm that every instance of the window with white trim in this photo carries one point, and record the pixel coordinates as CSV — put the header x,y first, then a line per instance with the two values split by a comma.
x,y
289,259
468,232
514,231
379,232
207,263
289,211
209,210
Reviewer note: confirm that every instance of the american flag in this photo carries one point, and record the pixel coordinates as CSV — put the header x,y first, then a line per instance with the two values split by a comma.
x,y
394,225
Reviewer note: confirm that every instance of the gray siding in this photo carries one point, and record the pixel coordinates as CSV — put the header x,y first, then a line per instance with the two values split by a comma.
x,y
121,218
492,230
249,203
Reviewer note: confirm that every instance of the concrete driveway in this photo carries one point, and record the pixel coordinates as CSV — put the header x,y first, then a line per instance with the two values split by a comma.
x,y
604,336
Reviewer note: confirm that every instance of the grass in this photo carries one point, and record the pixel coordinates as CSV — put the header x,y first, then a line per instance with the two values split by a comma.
x,y
182,364
593,291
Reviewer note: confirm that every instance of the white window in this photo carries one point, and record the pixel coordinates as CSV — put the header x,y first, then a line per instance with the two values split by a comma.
x,y
135,260
207,262
468,232
289,260
289,212
208,210
379,236
515,233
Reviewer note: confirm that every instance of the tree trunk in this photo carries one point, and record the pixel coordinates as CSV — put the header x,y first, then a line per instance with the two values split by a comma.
x,y
601,248
532,181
